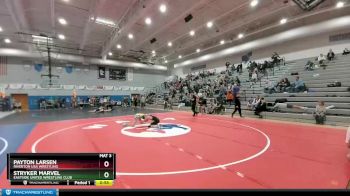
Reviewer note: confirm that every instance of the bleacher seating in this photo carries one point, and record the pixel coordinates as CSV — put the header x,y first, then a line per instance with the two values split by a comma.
x,y
316,82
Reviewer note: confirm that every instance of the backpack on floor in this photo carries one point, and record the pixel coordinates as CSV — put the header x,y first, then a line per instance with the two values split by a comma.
x,y
281,100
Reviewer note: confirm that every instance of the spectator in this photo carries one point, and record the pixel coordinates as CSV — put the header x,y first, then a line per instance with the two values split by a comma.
x,y
170,102
203,104
235,90
310,66
220,108
285,85
346,51
254,76
227,66
212,106
237,107
194,105
299,85
270,87
250,104
237,81
276,59
229,97
135,101
256,102
330,55
321,59
166,103
320,113
278,106
143,102
261,108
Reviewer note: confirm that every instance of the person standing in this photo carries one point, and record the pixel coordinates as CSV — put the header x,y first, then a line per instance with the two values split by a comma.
x,y
320,113
143,102
194,105
135,100
237,106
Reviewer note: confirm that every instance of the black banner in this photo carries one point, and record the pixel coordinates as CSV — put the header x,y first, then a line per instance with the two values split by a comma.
x,y
101,73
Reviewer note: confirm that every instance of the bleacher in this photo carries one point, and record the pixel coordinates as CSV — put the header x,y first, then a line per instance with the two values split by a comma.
x,y
316,82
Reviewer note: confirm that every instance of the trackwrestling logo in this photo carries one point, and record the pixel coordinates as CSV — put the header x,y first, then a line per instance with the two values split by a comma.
x,y
164,130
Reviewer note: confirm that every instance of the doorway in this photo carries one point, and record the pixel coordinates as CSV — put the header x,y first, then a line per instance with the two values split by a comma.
x,y
23,99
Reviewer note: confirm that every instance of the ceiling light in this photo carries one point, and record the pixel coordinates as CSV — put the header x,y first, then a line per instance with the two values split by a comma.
x,y
60,36
192,33
254,3
170,44
153,51
7,40
340,4
162,8
131,36
0,29
283,21
166,61
198,50
110,54
42,39
209,24
66,1
119,46
104,21
62,21
240,36
148,21
180,57
222,42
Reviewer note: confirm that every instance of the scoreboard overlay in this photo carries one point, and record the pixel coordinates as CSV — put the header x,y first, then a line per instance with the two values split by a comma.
x,y
61,169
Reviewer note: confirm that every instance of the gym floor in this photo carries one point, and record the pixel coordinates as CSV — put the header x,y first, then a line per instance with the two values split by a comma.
x,y
205,152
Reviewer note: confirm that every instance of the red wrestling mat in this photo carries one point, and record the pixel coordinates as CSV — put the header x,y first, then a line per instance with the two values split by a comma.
x,y
217,153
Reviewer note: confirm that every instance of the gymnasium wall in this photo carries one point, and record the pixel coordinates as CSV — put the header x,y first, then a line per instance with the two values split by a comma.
x,y
292,50
18,74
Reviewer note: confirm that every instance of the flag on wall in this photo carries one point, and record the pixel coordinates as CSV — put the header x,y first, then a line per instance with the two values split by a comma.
x,y
3,65
38,67
69,69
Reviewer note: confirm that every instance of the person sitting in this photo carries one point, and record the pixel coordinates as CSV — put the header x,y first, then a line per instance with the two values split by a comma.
x,y
320,112
321,59
330,55
346,51
283,85
299,85
310,66
211,108
255,103
220,108
261,108
270,87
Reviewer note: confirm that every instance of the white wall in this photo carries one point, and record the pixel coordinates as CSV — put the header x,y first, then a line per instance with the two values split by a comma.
x,y
291,50
18,75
